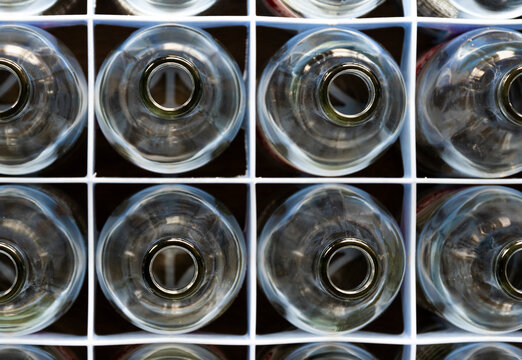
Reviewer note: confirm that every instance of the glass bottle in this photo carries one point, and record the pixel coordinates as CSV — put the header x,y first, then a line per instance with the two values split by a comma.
x,y
173,351
486,9
322,8
469,255
330,351
26,352
42,258
330,259
43,99
486,351
171,259
469,105
476,351
162,7
170,99
29,7
330,102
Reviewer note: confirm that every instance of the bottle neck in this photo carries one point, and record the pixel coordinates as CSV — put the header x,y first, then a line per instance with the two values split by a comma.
x,y
349,269
509,95
14,89
508,269
173,268
349,94
171,87
13,271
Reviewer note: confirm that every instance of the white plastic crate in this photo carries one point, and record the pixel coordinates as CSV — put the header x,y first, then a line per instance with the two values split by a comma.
x,y
251,178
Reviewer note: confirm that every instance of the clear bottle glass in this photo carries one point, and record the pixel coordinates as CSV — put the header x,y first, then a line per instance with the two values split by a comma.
x,y
469,255
173,351
170,99
43,99
486,351
330,259
477,351
29,7
486,9
26,352
330,102
322,8
163,7
171,259
330,351
469,105
42,258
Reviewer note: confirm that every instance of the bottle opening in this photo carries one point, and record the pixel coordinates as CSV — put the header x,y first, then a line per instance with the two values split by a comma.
x,y
349,269
13,88
171,86
349,94
515,95
509,269
514,270
173,268
8,273
511,95
12,272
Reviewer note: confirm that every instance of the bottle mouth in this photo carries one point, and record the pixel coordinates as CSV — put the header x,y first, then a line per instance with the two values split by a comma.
x,y
173,268
14,89
171,87
509,269
349,94
349,269
510,95
12,272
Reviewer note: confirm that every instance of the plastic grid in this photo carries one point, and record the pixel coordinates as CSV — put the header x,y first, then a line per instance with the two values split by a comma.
x,y
409,338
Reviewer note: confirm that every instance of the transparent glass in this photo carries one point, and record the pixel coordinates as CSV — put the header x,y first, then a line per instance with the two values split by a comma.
x,y
486,351
162,7
174,351
185,292
158,122
43,99
330,351
313,250
470,256
26,352
477,351
330,102
323,8
486,9
42,258
469,106
28,7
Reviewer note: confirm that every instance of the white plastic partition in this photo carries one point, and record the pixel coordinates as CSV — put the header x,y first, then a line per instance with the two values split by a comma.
x,y
410,338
